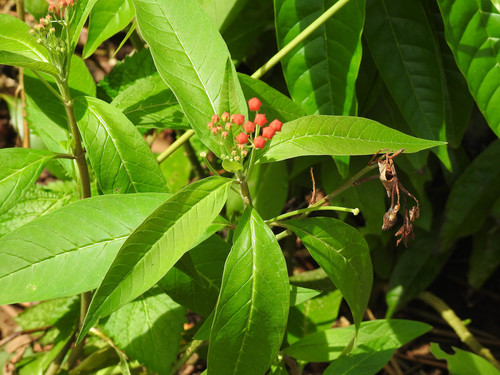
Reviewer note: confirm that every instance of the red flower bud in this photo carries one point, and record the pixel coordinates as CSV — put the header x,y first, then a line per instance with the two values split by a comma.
x,y
219,128
210,125
214,130
238,119
215,118
268,132
225,117
224,134
242,138
259,142
254,104
276,125
52,8
249,127
260,119
228,126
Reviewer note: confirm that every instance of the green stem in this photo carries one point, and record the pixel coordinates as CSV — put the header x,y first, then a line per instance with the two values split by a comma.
x,y
354,211
299,38
55,365
190,153
174,146
458,326
245,191
209,165
51,89
192,348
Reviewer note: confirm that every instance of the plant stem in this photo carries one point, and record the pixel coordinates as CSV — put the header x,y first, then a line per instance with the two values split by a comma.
x,y
191,155
55,365
354,211
192,348
245,191
460,329
174,146
20,89
299,38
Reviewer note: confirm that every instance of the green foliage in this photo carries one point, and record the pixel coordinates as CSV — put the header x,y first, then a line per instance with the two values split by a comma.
x,y
462,362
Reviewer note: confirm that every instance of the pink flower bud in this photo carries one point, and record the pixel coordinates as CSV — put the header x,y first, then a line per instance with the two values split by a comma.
x,y
242,138
228,126
219,128
215,118
268,132
244,153
210,125
260,119
52,8
214,130
259,142
225,117
254,104
224,134
249,127
238,119
276,125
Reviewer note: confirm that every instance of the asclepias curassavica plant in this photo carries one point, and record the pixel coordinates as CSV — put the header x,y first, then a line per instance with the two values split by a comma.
x,y
121,248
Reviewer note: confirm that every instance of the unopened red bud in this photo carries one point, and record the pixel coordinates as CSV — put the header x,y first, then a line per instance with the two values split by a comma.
x,y
276,125
254,104
242,138
259,142
48,17
214,130
244,153
219,128
225,134
228,126
210,125
225,117
268,132
215,119
52,8
238,119
260,119
70,2
249,127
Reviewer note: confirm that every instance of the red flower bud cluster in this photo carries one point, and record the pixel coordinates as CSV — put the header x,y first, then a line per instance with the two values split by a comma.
x,y
247,132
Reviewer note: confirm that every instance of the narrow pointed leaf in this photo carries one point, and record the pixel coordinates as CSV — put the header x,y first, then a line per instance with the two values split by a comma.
x,y
321,71
339,135
157,244
119,155
106,19
19,48
74,245
191,58
81,11
149,329
405,51
343,253
472,32
20,170
251,314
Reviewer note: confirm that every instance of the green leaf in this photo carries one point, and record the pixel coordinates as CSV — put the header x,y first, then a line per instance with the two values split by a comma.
x,y
199,293
194,73
19,48
375,335
106,19
157,244
20,170
47,313
339,135
45,113
149,103
274,104
251,314
343,253
81,12
119,155
472,196
365,363
149,329
78,239
472,29
38,201
223,12
299,295
485,257
463,362
177,170
405,51
321,71
314,315
38,8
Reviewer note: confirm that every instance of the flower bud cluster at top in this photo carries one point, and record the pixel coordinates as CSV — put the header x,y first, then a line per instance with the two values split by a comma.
x,y
45,32
248,136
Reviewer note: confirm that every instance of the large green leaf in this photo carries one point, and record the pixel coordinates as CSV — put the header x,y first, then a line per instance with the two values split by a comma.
x,y
119,155
106,19
19,48
464,363
20,169
472,32
321,71
38,201
223,12
251,314
485,257
191,58
199,292
149,103
343,253
405,51
78,239
471,197
375,335
149,329
157,244
339,135
81,12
